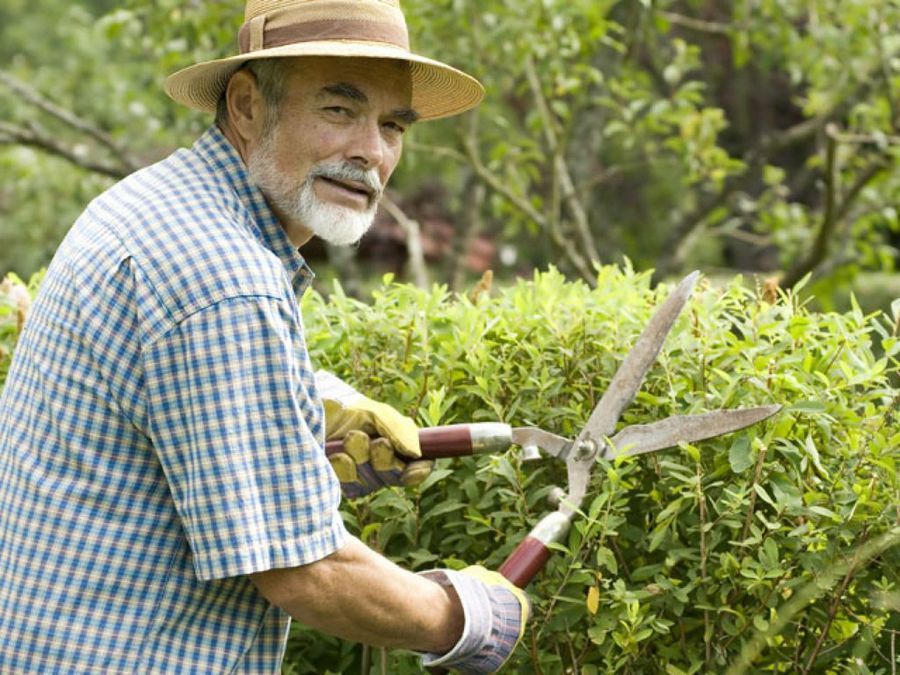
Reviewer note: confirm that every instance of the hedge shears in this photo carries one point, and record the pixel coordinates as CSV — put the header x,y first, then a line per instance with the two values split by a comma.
x,y
596,440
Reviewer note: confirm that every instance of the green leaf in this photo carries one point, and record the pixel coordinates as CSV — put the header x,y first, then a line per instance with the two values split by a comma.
x,y
740,454
809,407
813,451
433,478
606,558
761,491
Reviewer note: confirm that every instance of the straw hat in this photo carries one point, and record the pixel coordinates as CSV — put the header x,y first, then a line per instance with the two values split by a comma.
x,y
357,28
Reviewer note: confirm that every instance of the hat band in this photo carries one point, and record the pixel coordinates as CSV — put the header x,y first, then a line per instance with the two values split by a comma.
x,y
313,31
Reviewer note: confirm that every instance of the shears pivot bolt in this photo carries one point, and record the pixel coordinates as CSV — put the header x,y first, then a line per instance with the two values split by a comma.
x,y
586,450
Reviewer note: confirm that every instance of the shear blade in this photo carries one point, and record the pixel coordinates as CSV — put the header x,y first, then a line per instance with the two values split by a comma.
x,y
641,438
624,386
628,378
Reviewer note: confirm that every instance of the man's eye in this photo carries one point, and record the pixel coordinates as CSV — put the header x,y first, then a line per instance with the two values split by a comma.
x,y
338,110
394,127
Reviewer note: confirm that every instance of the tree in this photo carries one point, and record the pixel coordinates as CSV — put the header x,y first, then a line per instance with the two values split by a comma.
x,y
684,133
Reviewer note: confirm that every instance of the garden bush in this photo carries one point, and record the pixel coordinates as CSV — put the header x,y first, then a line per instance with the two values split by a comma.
x,y
773,549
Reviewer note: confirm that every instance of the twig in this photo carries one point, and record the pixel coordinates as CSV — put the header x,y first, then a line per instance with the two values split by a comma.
x,y
741,235
39,101
498,186
820,247
417,267
677,242
835,211
893,652
701,26
535,653
809,593
701,501
867,139
31,136
760,460
471,216
69,118
836,602
878,166
365,660
439,150
567,185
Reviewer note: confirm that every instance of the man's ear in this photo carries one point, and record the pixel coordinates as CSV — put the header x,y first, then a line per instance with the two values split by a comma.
x,y
246,109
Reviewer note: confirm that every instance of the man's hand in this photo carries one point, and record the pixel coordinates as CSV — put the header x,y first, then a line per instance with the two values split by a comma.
x,y
367,464
495,611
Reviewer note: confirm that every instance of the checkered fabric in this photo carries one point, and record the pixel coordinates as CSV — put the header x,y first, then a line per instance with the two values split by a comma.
x,y
161,434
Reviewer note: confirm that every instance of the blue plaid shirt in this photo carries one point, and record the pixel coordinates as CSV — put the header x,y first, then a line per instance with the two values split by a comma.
x,y
161,434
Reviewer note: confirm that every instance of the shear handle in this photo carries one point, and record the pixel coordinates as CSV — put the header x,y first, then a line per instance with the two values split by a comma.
x,y
532,553
455,440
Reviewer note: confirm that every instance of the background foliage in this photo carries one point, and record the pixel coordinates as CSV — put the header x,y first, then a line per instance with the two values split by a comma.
x,y
747,135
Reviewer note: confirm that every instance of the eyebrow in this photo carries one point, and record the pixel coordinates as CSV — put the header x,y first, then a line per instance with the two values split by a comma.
x,y
353,93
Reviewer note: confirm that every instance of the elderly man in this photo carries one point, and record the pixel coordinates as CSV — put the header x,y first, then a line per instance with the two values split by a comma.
x,y
166,504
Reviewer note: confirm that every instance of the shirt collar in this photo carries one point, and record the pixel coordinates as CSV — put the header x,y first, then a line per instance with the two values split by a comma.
x,y
218,152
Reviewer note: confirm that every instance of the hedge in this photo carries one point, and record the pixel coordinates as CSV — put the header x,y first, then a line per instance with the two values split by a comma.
x,y
773,549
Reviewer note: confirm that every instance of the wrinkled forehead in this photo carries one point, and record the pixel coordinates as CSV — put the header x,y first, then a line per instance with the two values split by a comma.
x,y
385,82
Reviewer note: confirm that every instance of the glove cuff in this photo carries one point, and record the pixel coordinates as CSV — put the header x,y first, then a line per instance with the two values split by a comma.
x,y
333,388
476,605
493,624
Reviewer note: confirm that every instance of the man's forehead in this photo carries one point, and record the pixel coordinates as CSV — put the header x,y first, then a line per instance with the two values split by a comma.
x,y
359,78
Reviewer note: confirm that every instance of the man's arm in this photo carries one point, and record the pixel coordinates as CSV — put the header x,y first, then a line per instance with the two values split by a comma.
x,y
359,595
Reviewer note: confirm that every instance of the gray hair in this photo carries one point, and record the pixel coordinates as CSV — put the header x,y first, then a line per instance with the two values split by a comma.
x,y
270,75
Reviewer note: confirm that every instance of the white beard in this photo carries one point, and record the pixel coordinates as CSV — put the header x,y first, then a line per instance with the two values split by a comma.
x,y
335,224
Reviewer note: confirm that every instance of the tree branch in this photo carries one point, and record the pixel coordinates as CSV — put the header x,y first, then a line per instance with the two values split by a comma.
x,y
32,136
569,194
581,265
826,229
36,99
674,248
835,211
417,268
699,25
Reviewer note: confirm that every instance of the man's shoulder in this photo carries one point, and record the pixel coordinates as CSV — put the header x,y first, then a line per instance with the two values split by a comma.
x,y
181,188
188,232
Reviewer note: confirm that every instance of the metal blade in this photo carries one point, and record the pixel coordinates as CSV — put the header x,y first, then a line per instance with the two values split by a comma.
x,y
532,440
640,438
623,388
628,378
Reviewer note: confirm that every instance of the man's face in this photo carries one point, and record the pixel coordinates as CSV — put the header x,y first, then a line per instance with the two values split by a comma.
x,y
336,140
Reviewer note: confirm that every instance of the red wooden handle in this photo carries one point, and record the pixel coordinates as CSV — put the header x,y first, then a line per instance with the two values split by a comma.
x,y
525,561
455,440
532,553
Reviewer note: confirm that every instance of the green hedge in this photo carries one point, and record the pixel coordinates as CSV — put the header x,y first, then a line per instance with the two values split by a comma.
x,y
772,549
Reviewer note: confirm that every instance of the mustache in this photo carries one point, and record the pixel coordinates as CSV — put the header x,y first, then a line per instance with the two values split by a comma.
x,y
348,171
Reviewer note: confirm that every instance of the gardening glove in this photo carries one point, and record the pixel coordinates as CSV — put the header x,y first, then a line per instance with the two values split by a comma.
x,y
367,464
495,611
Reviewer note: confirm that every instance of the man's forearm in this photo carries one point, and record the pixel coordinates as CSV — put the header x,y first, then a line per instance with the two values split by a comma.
x,y
359,595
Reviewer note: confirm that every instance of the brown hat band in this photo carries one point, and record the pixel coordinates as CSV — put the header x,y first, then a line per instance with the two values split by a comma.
x,y
376,22
312,31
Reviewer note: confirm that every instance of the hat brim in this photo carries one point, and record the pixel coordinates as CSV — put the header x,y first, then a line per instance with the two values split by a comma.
x,y
438,90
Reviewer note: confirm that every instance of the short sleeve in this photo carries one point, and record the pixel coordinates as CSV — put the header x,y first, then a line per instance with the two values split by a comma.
x,y
238,429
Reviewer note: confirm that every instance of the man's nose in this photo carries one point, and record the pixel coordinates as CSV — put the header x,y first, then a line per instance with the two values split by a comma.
x,y
367,145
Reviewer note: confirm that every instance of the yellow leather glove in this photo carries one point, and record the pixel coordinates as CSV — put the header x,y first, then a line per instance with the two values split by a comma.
x,y
381,446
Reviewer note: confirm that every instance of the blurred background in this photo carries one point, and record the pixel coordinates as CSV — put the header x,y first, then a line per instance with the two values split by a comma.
x,y
754,136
